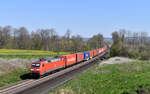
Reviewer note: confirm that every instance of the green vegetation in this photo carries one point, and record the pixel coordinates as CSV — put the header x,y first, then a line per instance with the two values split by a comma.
x,y
15,53
12,77
131,44
47,40
110,79
12,73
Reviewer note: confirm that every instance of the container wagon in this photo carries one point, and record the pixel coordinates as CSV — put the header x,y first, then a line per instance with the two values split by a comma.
x,y
86,55
69,59
100,50
79,57
91,54
44,66
95,52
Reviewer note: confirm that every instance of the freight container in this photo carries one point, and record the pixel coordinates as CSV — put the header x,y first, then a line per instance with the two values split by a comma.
x,y
105,48
95,52
86,55
80,56
70,59
100,50
91,54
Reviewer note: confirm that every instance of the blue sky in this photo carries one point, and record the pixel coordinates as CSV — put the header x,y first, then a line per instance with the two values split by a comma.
x,y
84,17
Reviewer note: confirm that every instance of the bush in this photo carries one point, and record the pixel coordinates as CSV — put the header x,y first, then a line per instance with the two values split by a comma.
x,y
145,55
115,50
125,51
133,54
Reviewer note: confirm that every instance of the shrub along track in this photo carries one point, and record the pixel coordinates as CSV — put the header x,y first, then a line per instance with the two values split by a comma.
x,y
50,82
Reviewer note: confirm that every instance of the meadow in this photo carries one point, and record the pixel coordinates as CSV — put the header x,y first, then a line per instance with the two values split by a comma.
x,y
12,77
125,78
15,53
14,63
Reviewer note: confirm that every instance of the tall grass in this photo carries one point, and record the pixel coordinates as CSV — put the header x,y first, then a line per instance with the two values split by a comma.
x,y
110,79
12,77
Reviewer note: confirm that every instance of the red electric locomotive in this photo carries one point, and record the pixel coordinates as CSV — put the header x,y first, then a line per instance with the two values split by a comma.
x,y
44,66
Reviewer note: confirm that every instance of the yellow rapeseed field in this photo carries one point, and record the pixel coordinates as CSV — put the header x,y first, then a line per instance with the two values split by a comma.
x,y
8,53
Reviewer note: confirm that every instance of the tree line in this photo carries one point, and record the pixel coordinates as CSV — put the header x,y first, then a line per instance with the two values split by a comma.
x,y
46,39
131,44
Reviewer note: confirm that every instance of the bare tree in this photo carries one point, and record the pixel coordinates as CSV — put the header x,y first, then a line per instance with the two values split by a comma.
x,y
5,37
23,38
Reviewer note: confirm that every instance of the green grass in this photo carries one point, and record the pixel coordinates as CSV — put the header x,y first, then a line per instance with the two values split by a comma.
x,y
15,53
110,79
12,77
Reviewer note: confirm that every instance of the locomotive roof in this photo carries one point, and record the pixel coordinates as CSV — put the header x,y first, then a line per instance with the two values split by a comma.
x,y
48,59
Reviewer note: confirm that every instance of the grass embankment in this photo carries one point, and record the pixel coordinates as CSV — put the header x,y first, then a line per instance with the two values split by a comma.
x,y
12,77
110,79
14,53
11,69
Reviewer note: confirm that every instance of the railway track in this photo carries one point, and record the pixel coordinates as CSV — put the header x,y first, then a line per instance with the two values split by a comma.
x,y
14,86
50,82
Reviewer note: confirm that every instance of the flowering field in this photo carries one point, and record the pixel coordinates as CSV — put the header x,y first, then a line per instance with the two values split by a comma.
x,y
15,53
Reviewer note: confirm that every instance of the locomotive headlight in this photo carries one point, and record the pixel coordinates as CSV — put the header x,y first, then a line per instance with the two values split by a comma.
x,y
32,69
37,69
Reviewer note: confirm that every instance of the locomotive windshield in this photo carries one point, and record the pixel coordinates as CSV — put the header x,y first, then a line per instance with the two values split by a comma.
x,y
35,65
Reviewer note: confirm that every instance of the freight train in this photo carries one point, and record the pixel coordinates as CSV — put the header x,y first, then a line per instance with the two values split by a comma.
x,y
44,66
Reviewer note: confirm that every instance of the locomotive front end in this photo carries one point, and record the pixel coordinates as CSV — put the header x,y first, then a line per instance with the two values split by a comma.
x,y
35,69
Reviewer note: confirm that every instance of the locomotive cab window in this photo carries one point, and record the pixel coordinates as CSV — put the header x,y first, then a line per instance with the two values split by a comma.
x,y
48,61
35,65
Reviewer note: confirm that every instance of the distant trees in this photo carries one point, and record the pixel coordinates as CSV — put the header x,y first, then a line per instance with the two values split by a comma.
x,y
46,39
96,41
22,38
5,36
36,40
115,37
131,44
78,43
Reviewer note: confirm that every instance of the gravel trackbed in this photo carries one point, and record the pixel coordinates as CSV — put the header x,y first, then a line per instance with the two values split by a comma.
x,y
116,60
